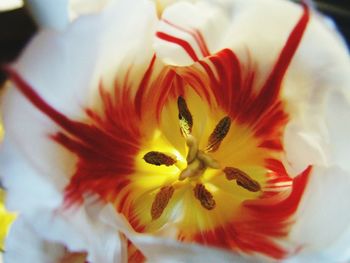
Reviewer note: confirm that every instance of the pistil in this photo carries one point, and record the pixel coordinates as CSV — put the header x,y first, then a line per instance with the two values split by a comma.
x,y
197,160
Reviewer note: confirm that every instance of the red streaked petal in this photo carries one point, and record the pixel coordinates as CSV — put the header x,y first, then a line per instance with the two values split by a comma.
x,y
195,34
188,32
178,41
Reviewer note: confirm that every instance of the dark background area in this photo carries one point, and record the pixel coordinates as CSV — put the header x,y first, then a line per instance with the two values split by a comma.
x,y
17,27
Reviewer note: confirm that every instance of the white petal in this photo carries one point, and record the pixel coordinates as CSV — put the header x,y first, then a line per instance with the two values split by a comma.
x,y
322,222
50,13
309,258
64,66
40,204
81,230
27,140
67,69
80,7
320,135
157,249
338,120
24,245
306,143
76,229
186,21
26,191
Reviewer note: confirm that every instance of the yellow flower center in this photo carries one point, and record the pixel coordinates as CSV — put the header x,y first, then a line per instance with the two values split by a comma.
x,y
183,172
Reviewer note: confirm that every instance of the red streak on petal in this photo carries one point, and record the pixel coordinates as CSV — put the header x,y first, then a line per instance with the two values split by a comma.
x,y
134,254
167,85
229,86
37,101
287,54
272,86
278,167
196,34
143,86
105,153
272,144
178,41
242,237
89,134
288,206
198,83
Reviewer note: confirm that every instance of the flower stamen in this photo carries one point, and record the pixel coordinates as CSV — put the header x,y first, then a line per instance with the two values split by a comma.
x,y
219,133
185,116
204,196
242,179
161,201
159,158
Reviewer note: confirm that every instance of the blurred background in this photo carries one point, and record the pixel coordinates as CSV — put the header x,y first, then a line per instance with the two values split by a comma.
x,y
17,27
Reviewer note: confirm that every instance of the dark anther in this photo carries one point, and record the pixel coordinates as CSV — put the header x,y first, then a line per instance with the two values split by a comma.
x,y
158,158
161,201
185,116
204,196
242,179
219,133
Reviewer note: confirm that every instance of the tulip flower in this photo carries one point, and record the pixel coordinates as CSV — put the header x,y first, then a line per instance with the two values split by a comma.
x,y
195,131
